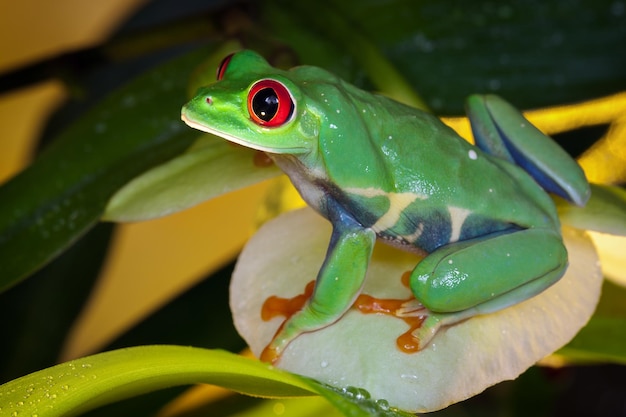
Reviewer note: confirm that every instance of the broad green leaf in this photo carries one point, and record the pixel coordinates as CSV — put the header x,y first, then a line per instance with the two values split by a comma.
x,y
605,212
382,73
211,168
54,201
530,53
75,387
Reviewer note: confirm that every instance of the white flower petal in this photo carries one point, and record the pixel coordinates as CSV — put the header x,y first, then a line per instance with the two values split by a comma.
x,y
360,350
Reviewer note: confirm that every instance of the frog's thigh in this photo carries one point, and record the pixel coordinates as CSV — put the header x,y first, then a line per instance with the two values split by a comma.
x,y
492,272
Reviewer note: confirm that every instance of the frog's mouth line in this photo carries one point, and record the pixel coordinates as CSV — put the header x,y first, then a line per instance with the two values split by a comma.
x,y
195,125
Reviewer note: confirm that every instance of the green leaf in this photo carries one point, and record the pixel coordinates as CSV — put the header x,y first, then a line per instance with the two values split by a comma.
x,y
289,407
83,384
58,198
41,311
211,168
75,387
605,212
603,338
382,73
528,52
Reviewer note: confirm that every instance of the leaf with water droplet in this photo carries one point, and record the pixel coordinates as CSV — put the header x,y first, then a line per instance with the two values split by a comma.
x,y
63,193
119,374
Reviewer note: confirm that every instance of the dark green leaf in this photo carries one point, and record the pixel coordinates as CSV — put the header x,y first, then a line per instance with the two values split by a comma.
x,y
57,199
603,338
39,312
533,53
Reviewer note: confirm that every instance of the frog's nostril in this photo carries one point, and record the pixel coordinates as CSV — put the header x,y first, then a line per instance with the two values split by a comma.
x,y
209,101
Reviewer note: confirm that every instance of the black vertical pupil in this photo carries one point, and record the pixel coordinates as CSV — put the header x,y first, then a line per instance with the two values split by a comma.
x,y
265,104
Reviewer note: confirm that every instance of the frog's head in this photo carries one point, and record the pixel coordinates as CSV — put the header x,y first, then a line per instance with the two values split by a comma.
x,y
254,105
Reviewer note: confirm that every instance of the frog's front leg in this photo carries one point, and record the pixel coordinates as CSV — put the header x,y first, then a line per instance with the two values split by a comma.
x,y
338,283
486,274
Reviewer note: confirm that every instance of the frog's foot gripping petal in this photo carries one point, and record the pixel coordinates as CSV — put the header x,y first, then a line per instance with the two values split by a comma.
x,y
310,318
337,286
501,130
434,322
286,333
422,324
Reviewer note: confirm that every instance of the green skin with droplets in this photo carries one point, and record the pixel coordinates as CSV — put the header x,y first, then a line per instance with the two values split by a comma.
x,y
380,169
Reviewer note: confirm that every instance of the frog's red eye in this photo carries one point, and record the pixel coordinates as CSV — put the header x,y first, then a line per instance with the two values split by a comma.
x,y
270,104
222,67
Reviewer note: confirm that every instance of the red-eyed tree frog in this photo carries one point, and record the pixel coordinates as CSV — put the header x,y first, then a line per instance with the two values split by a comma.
x,y
378,169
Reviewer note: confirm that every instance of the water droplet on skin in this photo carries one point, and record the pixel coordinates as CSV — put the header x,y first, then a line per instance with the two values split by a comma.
x,y
324,364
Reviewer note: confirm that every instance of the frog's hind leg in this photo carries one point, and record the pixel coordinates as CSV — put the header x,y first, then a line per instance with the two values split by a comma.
x,y
484,275
501,130
465,274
